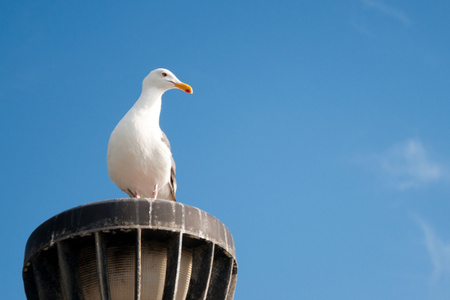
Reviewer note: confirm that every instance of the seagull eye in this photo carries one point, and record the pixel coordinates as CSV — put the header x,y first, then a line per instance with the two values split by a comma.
x,y
164,74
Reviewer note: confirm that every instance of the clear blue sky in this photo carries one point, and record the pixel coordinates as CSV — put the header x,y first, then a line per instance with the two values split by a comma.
x,y
318,132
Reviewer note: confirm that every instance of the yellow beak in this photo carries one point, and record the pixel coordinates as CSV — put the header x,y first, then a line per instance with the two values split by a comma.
x,y
184,87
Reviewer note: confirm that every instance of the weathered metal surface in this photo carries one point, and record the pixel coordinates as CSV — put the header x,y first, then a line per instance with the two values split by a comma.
x,y
155,249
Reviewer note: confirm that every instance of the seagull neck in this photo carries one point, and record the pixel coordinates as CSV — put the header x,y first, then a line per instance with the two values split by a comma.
x,y
149,104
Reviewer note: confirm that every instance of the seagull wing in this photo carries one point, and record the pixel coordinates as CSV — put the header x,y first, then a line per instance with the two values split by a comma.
x,y
173,180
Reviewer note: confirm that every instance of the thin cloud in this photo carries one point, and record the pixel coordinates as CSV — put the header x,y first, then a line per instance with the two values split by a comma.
x,y
408,165
388,11
404,165
439,254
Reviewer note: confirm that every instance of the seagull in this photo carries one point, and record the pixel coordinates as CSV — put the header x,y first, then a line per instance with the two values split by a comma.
x,y
139,158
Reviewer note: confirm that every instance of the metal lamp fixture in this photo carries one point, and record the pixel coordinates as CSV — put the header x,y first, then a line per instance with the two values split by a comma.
x,y
131,249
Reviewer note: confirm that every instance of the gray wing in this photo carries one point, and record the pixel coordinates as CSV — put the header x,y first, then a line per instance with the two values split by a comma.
x,y
173,180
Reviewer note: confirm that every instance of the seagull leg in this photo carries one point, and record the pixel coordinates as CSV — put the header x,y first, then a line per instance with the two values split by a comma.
x,y
155,191
136,193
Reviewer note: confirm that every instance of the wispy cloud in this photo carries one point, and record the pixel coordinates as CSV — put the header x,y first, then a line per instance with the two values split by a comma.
x,y
409,165
388,11
439,253
405,165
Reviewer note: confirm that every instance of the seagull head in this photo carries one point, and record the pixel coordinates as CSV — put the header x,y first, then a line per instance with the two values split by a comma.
x,y
164,80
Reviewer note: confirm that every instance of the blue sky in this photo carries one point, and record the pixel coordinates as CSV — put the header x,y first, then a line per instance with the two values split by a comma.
x,y
317,132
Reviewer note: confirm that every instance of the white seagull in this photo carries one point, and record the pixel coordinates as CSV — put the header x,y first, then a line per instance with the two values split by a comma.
x,y
139,159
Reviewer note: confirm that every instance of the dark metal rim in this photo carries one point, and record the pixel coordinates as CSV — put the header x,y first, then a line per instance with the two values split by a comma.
x,y
130,213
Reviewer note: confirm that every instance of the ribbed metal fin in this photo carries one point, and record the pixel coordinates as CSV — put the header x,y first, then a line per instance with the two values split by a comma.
x,y
46,275
68,267
220,277
173,266
138,281
102,266
203,257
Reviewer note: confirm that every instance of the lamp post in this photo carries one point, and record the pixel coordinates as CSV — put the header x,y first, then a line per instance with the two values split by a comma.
x,y
131,249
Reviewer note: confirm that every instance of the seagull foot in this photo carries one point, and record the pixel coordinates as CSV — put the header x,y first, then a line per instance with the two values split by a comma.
x,y
136,193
